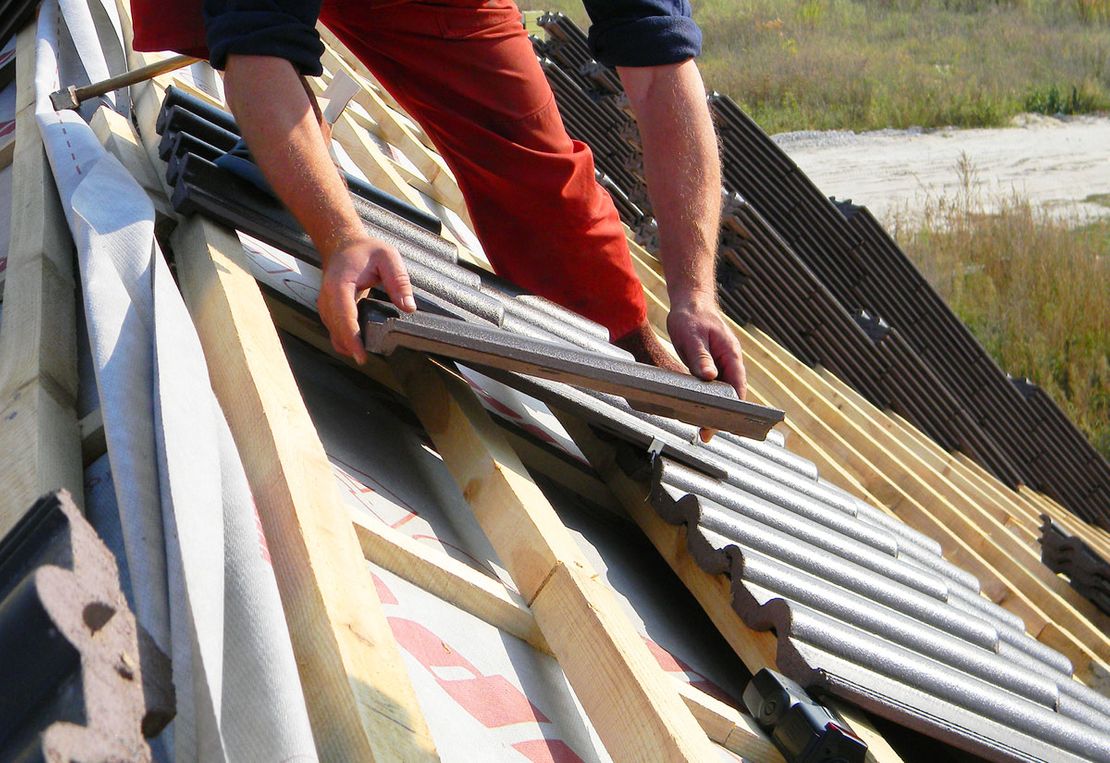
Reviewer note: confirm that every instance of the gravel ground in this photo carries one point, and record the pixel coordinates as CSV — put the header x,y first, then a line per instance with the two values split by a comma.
x,y
1062,164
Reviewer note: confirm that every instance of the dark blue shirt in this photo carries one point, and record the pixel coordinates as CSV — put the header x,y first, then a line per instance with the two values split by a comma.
x,y
623,33
642,32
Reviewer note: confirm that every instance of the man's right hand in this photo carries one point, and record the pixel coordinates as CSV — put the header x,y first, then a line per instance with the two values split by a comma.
x,y
350,271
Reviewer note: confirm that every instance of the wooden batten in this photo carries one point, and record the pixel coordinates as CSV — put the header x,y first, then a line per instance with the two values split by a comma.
x,y
631,703
38,335
118,136
360,700
404,135
921,499
493,603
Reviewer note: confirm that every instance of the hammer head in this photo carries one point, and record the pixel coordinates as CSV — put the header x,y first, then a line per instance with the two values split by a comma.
x,y
64,99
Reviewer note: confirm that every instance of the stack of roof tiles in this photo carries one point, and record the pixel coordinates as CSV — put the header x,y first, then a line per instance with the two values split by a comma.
x,y
1069,555
827,282
863,606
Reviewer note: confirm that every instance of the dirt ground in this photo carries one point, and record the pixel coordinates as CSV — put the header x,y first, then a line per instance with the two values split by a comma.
x,y
1062,164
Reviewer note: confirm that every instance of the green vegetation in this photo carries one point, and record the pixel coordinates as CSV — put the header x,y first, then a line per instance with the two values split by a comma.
x,y
1033,288
870,64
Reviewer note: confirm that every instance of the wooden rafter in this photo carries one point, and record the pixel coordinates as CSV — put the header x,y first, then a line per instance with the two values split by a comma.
x,y
360,701
38,346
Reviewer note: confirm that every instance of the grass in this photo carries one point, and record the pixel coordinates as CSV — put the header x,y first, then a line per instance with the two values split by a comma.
x,y
871,64
1033,288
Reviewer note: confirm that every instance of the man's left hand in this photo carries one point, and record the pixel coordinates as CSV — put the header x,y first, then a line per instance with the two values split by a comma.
x,y
706,345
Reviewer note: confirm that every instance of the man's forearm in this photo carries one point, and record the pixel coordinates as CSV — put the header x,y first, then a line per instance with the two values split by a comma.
x,y
281,129
683,174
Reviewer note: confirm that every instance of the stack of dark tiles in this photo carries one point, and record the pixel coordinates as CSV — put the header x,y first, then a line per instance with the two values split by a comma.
x,y
1088,572
1056,435
190,127
864,268
591,102
14,15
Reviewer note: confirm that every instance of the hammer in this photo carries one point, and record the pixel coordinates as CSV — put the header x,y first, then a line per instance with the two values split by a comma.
x,y
72,97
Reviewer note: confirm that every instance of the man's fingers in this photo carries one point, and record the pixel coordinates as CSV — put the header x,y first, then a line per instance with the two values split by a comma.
x,y
338,311
730,361
698,359
732,372
395,280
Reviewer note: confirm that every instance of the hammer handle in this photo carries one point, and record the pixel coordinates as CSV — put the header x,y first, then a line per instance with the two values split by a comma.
x,y
141,74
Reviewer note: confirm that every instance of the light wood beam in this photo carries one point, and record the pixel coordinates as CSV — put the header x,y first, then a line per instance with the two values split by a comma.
x,y
360,700
39,436
635,711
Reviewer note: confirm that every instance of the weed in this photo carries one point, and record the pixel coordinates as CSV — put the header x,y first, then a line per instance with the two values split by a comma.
x,y
1051,101
870,64
1033,288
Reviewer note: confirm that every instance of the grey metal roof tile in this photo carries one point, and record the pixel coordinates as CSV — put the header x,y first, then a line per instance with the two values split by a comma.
x,y
843,566
840,604
649,388
960,690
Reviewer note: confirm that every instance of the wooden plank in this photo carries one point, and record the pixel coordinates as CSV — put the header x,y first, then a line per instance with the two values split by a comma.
x,y
490,601
757,649
861,724
382,172
336,46
449,579
7,152
635,711
38,335
930,460
1009,515
118,136
397,132
360,701
93,443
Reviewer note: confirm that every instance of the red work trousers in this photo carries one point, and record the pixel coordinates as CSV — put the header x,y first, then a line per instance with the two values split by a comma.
x,y
466,71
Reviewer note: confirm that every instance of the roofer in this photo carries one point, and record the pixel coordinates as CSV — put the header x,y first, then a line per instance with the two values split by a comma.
x,y
466,71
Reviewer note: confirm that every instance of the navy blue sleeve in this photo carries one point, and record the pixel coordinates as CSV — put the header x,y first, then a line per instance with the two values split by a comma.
x,y
642,32
281,28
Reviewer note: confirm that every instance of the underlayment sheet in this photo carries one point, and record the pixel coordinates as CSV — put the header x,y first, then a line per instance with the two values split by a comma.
x,y
200,576
484,691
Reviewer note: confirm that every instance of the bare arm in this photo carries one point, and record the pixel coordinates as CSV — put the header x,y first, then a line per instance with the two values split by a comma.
x,y
281,129
683,173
